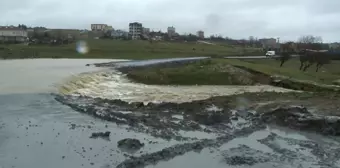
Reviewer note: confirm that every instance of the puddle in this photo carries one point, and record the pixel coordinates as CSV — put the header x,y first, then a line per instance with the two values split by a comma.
x,y
179,117
265,156
251,141
197,134
213,108
203,159
125,112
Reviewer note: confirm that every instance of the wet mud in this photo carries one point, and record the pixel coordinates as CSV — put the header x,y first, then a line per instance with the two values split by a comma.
x,y
300,118
283,150
130,144
326,154
245,155
180,149
214,122
161,120
104,135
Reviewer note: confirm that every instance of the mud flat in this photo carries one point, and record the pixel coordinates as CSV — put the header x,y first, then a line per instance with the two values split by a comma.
x,y
228,130
215,122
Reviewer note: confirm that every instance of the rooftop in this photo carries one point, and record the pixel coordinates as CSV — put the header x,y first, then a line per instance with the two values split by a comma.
x,y
135,23
10,28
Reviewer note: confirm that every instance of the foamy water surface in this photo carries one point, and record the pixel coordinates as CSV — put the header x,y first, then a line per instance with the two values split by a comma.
x,y
114,85
71,76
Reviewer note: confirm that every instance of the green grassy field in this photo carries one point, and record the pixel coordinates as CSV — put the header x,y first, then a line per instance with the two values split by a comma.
x,y
327,74
217,72
204,72
126,50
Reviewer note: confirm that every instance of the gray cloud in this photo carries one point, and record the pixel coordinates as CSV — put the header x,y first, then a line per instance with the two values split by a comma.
x,y
287,19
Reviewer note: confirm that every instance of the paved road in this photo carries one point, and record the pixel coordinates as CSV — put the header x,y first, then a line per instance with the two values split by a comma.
x,y
254,57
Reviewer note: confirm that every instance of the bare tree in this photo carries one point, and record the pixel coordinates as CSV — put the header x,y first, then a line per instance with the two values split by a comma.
x,y
318,39
310,39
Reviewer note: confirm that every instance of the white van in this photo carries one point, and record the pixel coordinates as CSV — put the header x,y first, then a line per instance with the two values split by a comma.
x,y
270,53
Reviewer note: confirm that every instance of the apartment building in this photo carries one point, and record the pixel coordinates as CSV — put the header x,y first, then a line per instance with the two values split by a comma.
x,y
135,30
171,31
200,34
99,27
268,43
13,34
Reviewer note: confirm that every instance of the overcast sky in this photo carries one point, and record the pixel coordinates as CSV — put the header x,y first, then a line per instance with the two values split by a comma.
x,y
287,19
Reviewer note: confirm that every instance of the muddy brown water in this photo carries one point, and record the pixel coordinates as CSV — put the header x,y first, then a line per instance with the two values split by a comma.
x,y
36,131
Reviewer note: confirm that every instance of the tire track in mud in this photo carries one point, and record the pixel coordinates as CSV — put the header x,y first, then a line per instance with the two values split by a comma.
x,y
181,149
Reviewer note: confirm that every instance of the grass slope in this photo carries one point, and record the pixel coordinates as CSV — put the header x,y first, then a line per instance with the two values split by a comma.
x,y
218,72
127,50
327,74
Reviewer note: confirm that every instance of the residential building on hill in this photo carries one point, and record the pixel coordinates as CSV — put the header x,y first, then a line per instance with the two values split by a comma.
x,y
269,43
171,31
135,30
200,34
99,27
13,34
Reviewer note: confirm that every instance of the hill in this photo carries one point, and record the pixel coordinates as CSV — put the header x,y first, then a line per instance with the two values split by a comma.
x,y
125,50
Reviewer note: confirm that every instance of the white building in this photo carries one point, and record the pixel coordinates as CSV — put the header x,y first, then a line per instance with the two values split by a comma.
x,y
135,30
13,34
99,27
171,31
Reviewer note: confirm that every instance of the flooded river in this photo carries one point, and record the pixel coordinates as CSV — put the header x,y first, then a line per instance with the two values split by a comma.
x,y
36,131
